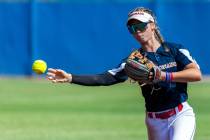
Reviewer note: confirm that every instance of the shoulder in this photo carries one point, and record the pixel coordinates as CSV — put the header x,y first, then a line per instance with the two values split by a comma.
x,y
172,45
176,48
180,53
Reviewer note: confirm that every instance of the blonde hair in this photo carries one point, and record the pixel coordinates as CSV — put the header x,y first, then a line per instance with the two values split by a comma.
x,y
158,35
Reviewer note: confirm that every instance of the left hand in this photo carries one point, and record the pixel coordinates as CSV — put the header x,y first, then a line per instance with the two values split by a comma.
x,y
156,74
141,69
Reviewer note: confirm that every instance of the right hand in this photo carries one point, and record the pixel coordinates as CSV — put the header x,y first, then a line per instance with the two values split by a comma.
x,y
58,76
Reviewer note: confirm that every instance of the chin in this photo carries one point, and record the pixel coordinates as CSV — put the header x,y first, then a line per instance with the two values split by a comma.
x,y
142,41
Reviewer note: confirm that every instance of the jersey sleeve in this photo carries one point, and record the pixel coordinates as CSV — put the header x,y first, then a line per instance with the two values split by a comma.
x,y
183,57
110,77
119,72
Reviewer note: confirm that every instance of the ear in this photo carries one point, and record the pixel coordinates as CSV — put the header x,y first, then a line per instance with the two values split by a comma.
x,y
153,26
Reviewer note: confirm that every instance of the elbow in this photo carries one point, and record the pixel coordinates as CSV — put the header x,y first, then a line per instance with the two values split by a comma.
x,y
198,76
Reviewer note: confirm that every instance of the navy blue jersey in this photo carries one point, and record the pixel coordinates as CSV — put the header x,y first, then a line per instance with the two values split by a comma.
x,y
162,96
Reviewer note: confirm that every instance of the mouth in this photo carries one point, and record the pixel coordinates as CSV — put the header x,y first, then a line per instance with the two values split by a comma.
x,y
141,37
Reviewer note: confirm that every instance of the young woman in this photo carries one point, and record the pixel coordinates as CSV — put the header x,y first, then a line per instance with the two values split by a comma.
x,y
168,115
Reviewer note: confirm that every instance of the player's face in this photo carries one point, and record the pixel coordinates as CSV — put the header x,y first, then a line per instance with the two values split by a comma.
x,y
143,32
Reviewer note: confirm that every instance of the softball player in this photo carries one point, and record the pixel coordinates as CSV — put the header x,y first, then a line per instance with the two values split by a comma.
x,y
168,115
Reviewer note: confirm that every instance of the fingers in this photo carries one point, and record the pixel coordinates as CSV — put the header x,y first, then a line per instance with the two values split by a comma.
x,y
50,74
54,71
59,70
151,75
51,70
50,77
62,72
57,80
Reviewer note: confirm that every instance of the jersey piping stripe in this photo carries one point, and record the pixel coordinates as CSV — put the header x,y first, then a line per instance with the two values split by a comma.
x,y
187,54
193,133
116,70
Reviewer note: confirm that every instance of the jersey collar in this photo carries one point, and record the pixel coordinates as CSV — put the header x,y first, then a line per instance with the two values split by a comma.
x,y
161,50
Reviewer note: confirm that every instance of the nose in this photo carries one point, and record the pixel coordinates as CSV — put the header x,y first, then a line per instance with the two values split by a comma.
x,y
139,33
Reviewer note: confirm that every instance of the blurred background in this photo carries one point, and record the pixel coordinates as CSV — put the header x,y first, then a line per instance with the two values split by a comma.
x,y
90,36
86,37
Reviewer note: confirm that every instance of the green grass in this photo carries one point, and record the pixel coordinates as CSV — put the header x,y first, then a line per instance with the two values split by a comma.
x,y
40,110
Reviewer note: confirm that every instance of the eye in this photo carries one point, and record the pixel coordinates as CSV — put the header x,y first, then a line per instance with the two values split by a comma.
x,y
135,28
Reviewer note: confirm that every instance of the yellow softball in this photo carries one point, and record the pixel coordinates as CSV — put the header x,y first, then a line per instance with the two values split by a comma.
x,y
39,66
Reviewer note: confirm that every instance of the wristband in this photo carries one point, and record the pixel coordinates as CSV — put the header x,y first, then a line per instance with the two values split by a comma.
x,y
169,77
172,76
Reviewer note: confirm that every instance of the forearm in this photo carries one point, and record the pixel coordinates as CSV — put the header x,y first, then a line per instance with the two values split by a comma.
x,y
190,74
95,80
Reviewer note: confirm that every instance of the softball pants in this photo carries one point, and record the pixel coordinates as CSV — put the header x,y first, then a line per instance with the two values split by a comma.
x,y
180,126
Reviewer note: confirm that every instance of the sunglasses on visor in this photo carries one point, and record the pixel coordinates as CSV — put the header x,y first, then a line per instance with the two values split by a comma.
x,y
133,28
